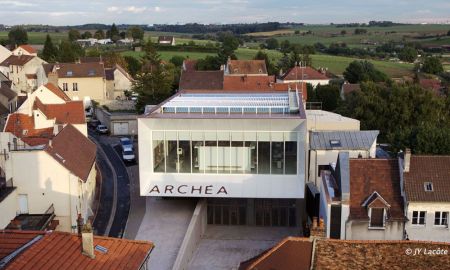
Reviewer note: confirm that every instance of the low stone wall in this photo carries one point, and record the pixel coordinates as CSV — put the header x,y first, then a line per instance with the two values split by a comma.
x,y
194,233
117,105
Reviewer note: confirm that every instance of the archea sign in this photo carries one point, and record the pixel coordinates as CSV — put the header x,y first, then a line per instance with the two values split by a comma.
x,y
188,190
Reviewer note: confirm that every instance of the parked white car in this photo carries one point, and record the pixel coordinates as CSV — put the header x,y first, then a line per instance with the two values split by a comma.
x,y
128,155
126,143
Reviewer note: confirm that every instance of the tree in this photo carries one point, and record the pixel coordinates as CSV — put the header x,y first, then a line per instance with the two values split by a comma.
x,y
136,32
99,34
154,83
209,63
361,71
66,52
360,31
74,35
113,33
448,33
272,44
229,44
285,46
406,115
343,32
86,35
17,36
112,58
329,95
408,54
134,66
177,60
50,51
432,65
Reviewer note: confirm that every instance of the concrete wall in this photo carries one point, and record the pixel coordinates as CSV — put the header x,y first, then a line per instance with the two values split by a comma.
x,y
429,231
359,230
19,79
8,208
195,231
108,119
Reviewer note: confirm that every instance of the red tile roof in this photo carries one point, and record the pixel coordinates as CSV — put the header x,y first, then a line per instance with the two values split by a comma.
x,y
60,250
71,112
248,82
189,65
247,67
11,240
22,126
201,80
28,48
15,60
57,91
375,175
74,151
77,70
434,169
292,253
295,74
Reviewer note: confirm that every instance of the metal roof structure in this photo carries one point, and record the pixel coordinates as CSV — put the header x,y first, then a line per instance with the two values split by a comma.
x,y
230,103
346,140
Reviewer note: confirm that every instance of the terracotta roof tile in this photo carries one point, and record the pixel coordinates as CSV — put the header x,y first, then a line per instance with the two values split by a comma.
x,y
201,80
28,48
57,91
295,74
76,70
247,67
189,65
60,250
375,175
74,151
248,82
71,112
434,169
11,240
15,60
22,126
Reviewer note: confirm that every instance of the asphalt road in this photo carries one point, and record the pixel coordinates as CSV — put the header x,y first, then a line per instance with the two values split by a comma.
x,y
107,197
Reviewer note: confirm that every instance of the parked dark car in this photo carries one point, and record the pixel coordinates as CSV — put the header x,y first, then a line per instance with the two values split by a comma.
x,y
94,123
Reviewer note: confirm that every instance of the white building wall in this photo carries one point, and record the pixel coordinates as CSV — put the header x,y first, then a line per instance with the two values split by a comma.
x,y
359,230
429,231
314,83
4,53
8,208
237,185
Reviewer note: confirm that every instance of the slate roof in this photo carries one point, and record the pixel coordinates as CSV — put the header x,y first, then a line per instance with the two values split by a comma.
x,y
249,67
14,60
74,151
295,74
61,250
375,175
434,169
201,80
349,140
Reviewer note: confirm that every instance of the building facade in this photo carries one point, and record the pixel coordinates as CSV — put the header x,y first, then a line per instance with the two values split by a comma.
x,y
244,152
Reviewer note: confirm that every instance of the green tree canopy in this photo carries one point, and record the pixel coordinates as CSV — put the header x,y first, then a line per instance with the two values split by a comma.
x,y
86,35
361,71
69,52
74,35
177,60
99,34
50,51
272,44
271,68
229,44
408,54
432,65
154,83
111,58
136,32
17,36
113,33
134,66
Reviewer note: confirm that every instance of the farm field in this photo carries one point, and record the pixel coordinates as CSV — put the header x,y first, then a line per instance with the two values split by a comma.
x,y
335,64
39,37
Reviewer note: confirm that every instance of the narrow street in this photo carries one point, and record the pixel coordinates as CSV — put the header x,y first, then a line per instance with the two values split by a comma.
x,y
114,203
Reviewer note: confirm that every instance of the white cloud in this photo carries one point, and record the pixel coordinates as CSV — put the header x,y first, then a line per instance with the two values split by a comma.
x,y
112,9
134,9
158,9
17,3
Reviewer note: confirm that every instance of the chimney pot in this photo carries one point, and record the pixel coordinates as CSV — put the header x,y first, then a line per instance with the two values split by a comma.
x,y
407,160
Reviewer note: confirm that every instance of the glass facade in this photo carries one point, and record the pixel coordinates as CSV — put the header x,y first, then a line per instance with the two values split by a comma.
x,y
225,152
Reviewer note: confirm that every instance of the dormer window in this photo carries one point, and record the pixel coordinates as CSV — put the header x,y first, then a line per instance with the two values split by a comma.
x,y
69,73
377,217
428,186
91,72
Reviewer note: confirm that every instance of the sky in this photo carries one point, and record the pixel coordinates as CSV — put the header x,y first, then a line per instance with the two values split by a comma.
x,y
63,12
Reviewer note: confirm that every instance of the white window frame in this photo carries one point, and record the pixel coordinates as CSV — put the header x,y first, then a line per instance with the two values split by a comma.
x,y
75,87
418,218
384,219
65,87
442,223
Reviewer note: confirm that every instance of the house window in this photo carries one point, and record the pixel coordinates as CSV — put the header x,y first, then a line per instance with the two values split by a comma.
x,y
377,217
428,186
418,217
65,87
335,143
75,87
440,218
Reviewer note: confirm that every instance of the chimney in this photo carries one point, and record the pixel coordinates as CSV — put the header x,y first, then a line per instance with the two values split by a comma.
x,y
407,160
87,241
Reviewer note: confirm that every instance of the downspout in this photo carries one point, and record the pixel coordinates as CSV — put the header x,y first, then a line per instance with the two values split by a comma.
x,y
313,253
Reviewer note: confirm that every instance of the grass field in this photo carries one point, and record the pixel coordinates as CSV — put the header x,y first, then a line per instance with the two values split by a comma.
x,y
335,64
328,34
39,37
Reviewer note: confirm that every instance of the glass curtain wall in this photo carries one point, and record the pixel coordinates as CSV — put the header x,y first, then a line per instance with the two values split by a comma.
x,y
225,152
